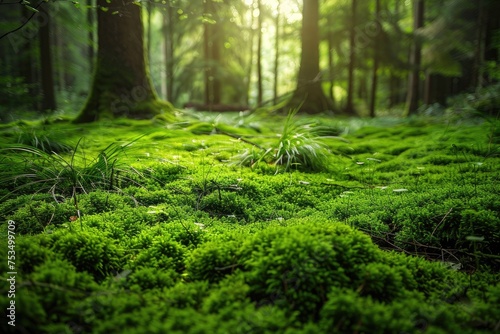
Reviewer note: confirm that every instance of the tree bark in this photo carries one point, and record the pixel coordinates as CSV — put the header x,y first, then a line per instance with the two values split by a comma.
x,y
121,85
48,93
309,95
413,96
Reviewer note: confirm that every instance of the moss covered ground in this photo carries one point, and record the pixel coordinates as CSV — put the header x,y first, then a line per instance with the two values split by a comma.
x,y
219,224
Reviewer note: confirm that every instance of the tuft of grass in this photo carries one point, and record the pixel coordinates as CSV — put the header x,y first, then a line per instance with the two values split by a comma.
x,y
43,142
300,146
28,169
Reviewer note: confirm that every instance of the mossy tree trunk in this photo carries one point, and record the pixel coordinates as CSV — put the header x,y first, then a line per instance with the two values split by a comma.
x,y
121,86
309,94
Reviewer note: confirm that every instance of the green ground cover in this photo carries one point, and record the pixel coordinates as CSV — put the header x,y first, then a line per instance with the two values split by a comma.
x,y
230,224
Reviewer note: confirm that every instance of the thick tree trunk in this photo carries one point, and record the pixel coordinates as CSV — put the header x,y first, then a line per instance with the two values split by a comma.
x,y
309,95
349,109
91,39
122,85
413,96
48,93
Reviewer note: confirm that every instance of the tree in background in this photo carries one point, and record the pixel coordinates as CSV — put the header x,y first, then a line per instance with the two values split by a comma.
x,y
309,94
376,59
121,86
212,53
413,96
349,109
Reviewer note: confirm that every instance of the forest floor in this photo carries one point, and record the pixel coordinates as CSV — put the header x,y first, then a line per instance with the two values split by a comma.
x,y
238,224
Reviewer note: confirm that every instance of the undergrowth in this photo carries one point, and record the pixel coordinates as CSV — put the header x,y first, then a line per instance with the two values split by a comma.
x,y
393,229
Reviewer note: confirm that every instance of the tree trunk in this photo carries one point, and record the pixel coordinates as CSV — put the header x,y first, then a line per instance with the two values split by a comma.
x,y
331,60
48,94
349,109
413,96
168,33
91,30
436,89
309,95
121,86
212,46
259,54
149,8
376,57
276,52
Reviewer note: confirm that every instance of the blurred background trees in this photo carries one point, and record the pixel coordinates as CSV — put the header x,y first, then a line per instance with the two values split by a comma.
x,y
375,56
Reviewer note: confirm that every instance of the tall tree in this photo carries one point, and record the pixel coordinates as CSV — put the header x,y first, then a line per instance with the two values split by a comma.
x,y
168,33
276,51
212,50
309,94
90,27
376,60
48,91
413,96
260,18
121,85
349,109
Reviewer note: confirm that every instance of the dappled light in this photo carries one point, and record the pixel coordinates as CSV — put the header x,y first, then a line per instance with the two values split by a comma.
x,y
250,166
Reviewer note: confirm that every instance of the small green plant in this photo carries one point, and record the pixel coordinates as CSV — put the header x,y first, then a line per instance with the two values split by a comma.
x,y
43,142
30,169
299,146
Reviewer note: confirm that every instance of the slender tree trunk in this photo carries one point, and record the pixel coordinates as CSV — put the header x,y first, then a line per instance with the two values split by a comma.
x,y
376,57
352,54
331,60
121,85
413,96
168,33
276,51
259,54
48,93
309,95
212,46
251,53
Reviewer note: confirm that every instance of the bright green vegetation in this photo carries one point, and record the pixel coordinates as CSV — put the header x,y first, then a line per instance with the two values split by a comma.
x,y
184,228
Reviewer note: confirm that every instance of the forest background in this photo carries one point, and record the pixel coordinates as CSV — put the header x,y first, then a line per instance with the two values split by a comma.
x,y
374,57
